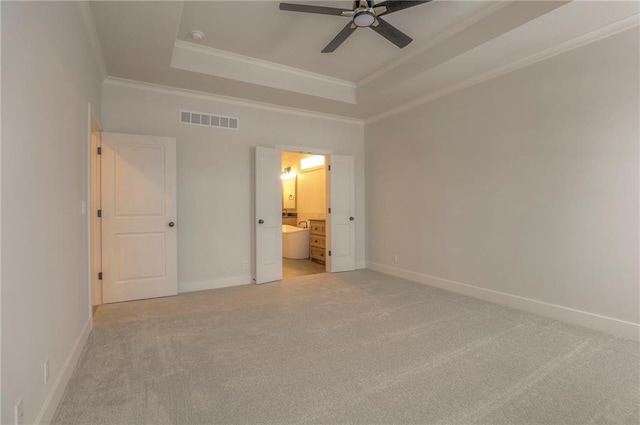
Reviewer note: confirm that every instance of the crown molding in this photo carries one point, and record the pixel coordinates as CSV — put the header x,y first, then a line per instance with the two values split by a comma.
x,y
435,41
582,40
221,63
587,38
194,94
92,34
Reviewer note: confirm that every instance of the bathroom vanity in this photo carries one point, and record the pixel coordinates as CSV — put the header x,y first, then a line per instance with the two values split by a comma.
x,y
317,240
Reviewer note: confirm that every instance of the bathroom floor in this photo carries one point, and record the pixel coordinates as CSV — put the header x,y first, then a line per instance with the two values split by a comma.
x,y
293,268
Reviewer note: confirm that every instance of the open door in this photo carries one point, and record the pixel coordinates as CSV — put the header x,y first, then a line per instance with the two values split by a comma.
x,y
96,227
341,219
268,215
139,241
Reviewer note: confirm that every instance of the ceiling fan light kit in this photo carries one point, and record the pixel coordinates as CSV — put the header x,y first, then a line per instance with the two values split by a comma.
x,y
364,19
365,13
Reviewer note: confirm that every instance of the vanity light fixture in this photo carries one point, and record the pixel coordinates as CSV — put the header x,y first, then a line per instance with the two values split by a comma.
x,y
287,174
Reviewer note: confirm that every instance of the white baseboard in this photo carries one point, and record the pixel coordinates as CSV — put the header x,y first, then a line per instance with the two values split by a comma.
x,y
566,314
201,285
57,390
361,265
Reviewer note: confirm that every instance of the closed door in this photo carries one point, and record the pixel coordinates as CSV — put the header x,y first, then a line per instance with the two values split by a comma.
x,y
138,217
268,218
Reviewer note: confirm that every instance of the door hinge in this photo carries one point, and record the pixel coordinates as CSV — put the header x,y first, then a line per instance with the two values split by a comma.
x,y
329,167
100,276
99,213
329,253
329,210
99,151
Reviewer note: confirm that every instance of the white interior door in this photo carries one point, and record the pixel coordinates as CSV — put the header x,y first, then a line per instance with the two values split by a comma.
x,y
268,215
341,220
139,255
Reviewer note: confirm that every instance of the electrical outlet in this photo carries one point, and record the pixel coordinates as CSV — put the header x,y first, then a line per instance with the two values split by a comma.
x,y
46,371
395,258
18,411
245,264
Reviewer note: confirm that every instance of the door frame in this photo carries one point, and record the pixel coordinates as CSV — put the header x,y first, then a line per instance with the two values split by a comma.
x,y
94,246
95,223
327,154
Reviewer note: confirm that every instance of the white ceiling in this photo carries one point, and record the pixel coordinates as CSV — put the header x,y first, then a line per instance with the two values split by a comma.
x,y
258,29
254,51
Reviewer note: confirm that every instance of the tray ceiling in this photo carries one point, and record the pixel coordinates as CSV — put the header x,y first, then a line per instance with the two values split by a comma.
x,y
254,51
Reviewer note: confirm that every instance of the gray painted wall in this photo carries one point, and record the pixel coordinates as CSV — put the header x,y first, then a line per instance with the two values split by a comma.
x,y
526,184
48,78
215,172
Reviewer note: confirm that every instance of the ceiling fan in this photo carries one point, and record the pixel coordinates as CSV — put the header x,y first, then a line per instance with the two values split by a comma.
x,y
365,13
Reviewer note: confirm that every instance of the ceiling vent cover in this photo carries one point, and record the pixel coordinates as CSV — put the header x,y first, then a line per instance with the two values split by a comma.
x,y
208,120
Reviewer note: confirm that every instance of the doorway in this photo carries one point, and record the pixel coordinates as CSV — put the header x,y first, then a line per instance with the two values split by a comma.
x,y
339,229
304,214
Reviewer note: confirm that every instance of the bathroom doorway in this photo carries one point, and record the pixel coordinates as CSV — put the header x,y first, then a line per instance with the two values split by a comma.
x,y
304,214
339,225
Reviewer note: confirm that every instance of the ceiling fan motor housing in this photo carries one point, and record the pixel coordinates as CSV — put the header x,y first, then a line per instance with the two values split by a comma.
x,y
365,14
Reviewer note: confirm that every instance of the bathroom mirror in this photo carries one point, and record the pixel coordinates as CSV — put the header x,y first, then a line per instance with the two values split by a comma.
x,y
289,193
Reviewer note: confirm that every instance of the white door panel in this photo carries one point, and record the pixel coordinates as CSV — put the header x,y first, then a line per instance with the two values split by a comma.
x,y
138,204
268,215
341,220
140,172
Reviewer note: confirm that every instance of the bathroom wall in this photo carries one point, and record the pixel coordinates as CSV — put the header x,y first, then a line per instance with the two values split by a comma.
x,y
291,160
312,194
311,189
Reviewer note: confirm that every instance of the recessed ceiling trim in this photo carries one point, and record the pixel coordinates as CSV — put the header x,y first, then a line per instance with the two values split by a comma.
x,y
582,40
220,63
194,94
435,41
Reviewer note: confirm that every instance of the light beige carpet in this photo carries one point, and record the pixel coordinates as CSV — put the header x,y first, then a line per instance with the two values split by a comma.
x,y
348,348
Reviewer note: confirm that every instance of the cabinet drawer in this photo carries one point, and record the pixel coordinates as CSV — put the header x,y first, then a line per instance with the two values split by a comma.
x,y
317,254
317,241
317,227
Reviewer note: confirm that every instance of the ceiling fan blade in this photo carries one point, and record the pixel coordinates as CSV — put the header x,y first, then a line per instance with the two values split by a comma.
x,y
313,9
391,33
340,38
396,5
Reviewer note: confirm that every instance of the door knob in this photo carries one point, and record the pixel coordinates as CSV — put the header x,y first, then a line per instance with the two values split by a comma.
x,y
351,218
171,224
261,221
